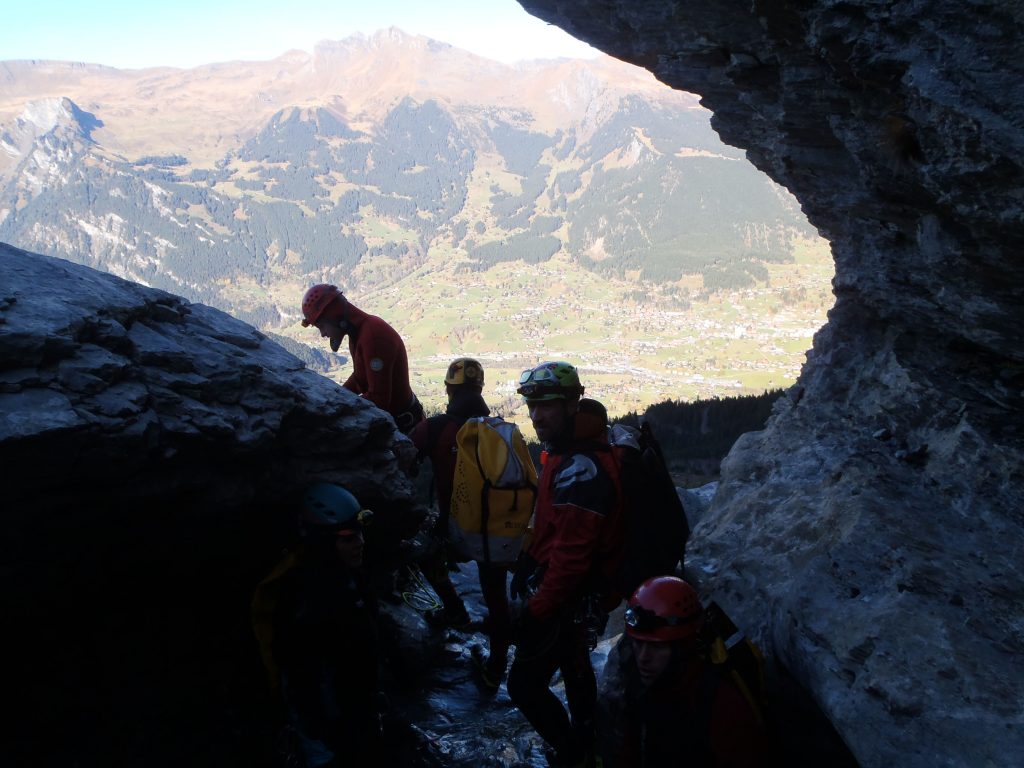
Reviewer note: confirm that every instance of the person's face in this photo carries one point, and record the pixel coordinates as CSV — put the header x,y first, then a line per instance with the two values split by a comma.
x,y
550,418
331,329
651,659
349,545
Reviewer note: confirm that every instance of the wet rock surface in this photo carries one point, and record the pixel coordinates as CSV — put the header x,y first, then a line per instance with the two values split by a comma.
x,y
450,720
455,720
870,537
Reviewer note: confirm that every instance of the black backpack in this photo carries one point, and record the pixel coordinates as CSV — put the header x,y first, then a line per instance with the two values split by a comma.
x,y
655,522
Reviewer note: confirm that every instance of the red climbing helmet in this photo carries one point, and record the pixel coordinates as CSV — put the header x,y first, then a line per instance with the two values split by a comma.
x,y
663,609
316,300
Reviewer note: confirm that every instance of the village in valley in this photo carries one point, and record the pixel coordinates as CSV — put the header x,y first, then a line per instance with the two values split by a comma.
x,y
634,348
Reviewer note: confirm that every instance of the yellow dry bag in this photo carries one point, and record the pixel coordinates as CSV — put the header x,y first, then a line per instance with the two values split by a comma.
x,y
493,491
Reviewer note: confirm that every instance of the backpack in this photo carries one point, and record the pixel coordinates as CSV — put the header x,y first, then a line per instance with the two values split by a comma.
x,y
493,491
435,426
264,604
735,657
655,522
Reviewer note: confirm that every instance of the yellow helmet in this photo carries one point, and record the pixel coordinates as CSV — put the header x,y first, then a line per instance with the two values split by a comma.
x,y
465,370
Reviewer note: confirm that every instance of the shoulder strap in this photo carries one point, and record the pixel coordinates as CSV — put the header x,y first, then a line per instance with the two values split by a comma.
x,y
485,506
436,425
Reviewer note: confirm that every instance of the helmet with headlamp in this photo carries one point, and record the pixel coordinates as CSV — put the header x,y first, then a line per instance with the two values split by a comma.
x,y
663,609
550,381
329,508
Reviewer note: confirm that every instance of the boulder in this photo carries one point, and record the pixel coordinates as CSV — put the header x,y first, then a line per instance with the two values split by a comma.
x,y
153,453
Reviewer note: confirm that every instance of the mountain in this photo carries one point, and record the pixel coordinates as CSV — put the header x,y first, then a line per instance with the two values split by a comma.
x,y
391,163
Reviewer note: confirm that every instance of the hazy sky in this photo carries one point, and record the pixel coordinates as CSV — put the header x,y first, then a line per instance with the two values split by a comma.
x,y
186,33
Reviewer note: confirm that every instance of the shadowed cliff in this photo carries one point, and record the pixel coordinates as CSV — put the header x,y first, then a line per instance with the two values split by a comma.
x,y
151,451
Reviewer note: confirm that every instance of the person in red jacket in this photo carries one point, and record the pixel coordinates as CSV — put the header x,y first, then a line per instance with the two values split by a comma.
x,y
568,566
435,439
678,709
380,366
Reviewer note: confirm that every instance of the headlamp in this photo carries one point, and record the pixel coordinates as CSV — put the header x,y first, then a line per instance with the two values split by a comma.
x,y
355,525
643,620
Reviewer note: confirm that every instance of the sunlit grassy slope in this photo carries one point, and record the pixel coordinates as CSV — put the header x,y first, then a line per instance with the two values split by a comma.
x,y
630,353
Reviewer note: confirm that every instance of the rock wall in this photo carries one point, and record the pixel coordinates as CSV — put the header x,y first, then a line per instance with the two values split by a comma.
x,y
872,534
152,452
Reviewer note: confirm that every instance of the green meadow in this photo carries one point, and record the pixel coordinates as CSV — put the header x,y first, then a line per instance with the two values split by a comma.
x,y
630,353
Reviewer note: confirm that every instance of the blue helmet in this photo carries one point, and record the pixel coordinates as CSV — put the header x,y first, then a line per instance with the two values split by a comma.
x,y
330,506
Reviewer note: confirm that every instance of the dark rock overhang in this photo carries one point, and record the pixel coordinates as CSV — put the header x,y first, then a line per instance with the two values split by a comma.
x,y
872,533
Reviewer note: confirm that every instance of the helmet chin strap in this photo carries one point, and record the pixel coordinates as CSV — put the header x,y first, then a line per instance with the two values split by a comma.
x,y
343,323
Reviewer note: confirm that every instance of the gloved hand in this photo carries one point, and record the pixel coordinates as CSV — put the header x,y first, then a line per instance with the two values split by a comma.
x,y
525,567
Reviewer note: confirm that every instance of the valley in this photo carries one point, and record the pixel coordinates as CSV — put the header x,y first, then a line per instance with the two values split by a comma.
x,y
630,353
558,209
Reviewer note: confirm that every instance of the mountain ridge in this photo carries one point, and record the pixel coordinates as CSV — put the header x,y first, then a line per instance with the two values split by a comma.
x,y
587,166
238,96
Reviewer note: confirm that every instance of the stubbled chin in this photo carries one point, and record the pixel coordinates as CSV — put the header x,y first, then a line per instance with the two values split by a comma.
x,y
647,678
336,342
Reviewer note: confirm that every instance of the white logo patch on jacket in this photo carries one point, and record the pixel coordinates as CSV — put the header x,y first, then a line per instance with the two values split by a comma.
x,y
579,470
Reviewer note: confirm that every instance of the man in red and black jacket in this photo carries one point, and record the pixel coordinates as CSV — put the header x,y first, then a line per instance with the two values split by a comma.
x,y
569,565
380,366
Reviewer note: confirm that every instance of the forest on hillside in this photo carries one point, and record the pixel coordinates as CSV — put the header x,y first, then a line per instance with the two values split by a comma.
x,y
696,436
648,193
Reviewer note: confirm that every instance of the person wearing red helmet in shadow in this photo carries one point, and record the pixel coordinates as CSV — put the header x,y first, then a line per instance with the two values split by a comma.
x,y
380,365
678,709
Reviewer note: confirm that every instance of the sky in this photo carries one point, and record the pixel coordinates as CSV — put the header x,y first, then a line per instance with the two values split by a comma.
x,y
133,34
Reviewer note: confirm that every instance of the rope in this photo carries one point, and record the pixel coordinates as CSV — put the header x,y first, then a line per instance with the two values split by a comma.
x,y
421,596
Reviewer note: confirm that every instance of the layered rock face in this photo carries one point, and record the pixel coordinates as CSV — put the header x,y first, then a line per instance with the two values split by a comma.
x,y
153,451
125,385
872,534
